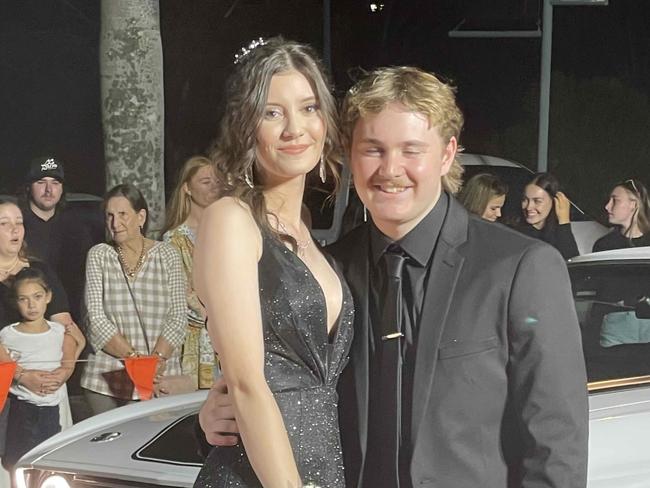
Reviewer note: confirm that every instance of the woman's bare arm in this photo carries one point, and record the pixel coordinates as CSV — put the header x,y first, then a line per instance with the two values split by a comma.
x,y
225,277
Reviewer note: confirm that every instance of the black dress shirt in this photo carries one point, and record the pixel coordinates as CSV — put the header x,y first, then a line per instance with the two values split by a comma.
x,y
63,242
418,246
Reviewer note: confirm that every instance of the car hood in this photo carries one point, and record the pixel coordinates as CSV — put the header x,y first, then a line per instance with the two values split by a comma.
x,y
104,445
619,421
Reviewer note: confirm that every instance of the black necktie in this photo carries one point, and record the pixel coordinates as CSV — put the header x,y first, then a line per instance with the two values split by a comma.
x,y
384,445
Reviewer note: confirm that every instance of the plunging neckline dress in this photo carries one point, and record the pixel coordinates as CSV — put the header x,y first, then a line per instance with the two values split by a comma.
x,y
302,366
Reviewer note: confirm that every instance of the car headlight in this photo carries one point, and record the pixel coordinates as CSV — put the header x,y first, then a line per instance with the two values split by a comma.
x,y
55,481
21,477
29,478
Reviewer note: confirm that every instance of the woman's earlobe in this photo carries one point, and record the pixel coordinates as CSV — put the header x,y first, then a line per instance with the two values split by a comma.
x,y
143,215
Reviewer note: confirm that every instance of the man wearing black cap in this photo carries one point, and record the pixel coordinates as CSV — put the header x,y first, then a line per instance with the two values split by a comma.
x,y
57,234
44,196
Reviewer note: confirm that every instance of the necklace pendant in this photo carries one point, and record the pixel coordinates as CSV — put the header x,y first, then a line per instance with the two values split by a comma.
x,y
131,272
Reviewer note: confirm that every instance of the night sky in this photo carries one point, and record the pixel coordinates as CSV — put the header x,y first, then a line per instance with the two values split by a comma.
x,y
600,109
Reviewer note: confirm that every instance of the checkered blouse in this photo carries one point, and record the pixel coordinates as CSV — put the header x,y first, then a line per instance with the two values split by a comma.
x,y
159,289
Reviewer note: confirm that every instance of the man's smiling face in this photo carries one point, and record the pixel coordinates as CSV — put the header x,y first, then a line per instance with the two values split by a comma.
x,y
397,160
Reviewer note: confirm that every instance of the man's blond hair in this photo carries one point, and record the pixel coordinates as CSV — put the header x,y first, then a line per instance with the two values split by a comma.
x,y
418,91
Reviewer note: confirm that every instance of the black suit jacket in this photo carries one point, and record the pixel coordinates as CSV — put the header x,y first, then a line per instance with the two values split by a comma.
x,y
500,387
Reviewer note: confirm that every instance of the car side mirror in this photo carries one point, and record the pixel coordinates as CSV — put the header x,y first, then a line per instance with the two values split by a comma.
x,y
642,308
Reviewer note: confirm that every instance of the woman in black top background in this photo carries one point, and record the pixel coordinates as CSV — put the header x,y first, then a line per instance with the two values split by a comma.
x,y
13,258
546,213
628,210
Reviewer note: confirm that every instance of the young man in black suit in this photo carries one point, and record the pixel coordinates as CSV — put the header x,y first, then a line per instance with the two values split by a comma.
x,y
478,379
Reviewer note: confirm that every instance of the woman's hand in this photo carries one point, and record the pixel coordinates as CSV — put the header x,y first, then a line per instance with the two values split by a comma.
x,y
562,208
158,389
39,382
61,374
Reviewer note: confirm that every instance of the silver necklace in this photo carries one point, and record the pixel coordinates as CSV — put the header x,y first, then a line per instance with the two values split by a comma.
x,y
301,245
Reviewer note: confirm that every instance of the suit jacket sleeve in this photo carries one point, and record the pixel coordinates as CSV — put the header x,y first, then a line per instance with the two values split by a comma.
x,y
546,372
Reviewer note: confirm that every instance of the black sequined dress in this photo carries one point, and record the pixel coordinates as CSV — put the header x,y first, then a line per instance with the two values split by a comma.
x,y
302,366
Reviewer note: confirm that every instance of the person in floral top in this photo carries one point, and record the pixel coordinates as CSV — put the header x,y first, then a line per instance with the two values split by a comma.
x,y
197,187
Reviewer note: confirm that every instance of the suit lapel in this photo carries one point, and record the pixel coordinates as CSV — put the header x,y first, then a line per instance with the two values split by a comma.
x,y
445,269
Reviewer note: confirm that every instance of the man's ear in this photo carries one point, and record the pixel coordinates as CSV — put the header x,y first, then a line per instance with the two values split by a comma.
x,y
448,155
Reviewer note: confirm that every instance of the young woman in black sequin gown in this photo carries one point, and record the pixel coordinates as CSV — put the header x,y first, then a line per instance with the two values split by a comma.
x,y
279,313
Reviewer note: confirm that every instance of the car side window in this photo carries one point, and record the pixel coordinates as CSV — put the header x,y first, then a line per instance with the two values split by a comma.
x,y
616,342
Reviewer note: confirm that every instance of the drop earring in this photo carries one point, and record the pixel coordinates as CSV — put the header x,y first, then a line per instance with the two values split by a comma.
x,y
365,214
248,177
321,170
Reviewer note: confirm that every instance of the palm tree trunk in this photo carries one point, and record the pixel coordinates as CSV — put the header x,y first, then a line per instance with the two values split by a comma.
x,y
131,69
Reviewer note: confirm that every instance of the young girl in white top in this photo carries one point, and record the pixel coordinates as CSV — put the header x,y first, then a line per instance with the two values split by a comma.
x,y
37,344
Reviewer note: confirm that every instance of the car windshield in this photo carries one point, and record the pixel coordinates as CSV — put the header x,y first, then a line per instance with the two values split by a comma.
x,y
175,445
616,342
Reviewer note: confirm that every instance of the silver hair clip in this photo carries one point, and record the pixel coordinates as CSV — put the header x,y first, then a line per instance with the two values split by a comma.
x,y
246,50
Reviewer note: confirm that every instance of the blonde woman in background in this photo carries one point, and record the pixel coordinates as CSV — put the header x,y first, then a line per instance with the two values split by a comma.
x,y
484,194
197,187
628,210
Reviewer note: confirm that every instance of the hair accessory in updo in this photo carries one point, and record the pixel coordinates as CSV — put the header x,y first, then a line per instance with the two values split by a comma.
x,y
246,50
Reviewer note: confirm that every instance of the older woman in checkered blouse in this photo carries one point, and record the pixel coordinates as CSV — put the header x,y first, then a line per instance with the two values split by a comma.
x,y
134,286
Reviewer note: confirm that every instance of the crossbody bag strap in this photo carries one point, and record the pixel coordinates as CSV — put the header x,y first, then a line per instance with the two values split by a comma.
x,y
137,312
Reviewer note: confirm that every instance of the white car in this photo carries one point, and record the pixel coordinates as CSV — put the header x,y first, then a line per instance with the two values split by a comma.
x,y
611,291
151,444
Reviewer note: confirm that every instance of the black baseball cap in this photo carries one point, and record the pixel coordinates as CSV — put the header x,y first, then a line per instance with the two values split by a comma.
x,y
43,167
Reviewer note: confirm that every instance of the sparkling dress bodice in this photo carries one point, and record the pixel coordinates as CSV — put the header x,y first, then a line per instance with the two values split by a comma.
x,y
302,366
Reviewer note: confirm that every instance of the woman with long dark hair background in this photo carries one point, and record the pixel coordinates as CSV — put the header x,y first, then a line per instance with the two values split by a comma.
x,y
546,214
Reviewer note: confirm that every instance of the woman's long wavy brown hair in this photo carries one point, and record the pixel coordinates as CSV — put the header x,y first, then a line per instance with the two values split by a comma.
x,y
246,94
